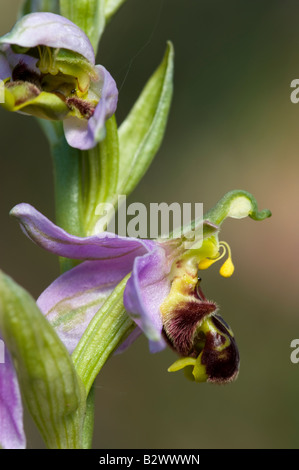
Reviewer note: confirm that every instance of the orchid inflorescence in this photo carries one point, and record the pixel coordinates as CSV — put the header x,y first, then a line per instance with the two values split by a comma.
x,y
111,288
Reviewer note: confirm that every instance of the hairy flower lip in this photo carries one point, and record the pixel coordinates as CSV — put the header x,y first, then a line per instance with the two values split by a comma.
x,y
215,358
23,73
86,109
181,328
221,367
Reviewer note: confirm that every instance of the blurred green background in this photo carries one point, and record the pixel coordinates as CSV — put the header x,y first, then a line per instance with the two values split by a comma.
x,y
232,125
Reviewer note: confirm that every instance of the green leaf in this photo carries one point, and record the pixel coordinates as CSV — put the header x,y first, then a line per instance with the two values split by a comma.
x,y
89,15
33,6
101,175
111,7
110,326
141,134
50,386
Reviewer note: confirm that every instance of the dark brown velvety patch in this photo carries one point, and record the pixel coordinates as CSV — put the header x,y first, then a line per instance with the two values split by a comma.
x,y
22,73
181,326
221,366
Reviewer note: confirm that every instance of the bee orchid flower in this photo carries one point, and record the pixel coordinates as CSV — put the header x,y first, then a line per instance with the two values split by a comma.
x,y
163,294
47,64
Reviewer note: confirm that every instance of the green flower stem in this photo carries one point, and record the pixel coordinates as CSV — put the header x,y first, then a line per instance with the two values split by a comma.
x,y
67,174
108,329
88,426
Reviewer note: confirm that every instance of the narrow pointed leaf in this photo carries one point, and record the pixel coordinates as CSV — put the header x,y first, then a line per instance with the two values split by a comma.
x,y
89,15
50,386
140,135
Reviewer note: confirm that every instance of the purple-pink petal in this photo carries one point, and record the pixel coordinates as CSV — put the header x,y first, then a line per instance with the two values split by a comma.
x,y
87,286
49,29
77,133
56,240
72,300
146,289
83,134
12,434
108,92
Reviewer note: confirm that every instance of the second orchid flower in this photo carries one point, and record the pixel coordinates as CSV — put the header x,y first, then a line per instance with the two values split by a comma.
x,y
48,67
